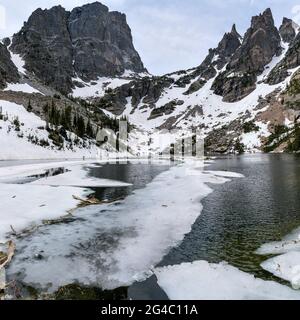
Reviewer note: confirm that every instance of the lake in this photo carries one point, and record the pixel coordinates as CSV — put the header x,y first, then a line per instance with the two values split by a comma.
x,y
237,218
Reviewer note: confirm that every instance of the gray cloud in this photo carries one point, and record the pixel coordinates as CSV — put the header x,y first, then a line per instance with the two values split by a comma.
x,y
169,34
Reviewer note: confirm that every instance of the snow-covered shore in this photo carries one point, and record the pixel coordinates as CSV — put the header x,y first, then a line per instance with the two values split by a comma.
x,y
20,125
201,280
286,265
26,205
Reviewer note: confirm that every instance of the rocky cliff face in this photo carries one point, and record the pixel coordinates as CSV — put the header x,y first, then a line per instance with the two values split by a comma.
x,y
288,30
88,42
8,71
146,91
44,43
261,43
102,42
216,59
290,61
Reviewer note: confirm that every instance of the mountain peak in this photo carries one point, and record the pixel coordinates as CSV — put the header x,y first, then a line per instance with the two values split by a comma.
x,y
263,19
268,12
234,32
229,43
94,7
260,43
288,30
88,42
233,29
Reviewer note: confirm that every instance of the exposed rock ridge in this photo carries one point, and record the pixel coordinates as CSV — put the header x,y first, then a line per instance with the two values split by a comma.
x,y
89,42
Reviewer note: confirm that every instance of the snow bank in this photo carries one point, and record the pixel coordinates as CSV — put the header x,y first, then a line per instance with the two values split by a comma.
x,y
18,61
15,145
21,171
286,266
203,281
22,87
288,244
22,205
116,244
97,88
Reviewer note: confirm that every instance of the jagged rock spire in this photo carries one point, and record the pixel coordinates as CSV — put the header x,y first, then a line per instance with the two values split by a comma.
x,y
234,32
288,30
260,44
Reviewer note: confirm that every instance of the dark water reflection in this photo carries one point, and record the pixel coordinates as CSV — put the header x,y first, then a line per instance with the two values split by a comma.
x,y
137,174
237,218
245,213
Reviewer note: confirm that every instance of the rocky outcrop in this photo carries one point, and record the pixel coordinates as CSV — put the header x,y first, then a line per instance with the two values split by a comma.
x,y
45,45
165,110
261,43
290,61
287,30
215,60
8,71
227,47
88,42
146,90
102,42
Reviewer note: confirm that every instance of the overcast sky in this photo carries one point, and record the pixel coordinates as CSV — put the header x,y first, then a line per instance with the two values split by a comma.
x,y
169,34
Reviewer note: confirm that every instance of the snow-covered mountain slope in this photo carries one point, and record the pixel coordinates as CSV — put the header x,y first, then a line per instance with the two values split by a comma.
x,y
244,96
194,99
23,135
98,88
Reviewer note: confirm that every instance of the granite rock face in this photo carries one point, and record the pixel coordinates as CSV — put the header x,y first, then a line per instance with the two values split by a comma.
x,y
287,30
8,71
215,60
260,44
290,61
146,91
88,42
45,45
102,42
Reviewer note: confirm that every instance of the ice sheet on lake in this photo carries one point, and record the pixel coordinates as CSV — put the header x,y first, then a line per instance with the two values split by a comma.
x,y
286,266
23,205
203,281
77,176
25,170
225,174
288,244
113,245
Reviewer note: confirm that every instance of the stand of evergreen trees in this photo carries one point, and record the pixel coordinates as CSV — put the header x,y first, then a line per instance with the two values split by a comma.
x,y
68,121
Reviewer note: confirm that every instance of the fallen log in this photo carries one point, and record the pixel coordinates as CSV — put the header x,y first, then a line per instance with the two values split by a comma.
x,y
94,201
7,257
